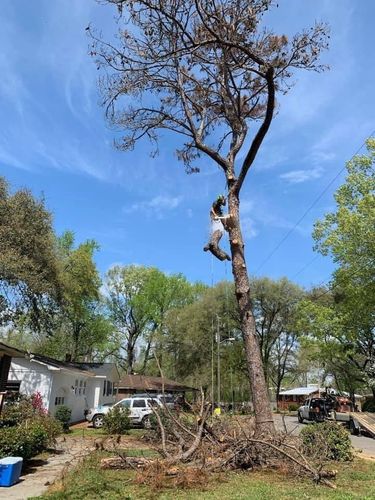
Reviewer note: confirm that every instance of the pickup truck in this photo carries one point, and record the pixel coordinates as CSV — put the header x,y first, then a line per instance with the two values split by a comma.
x,y
321,409
314,410
140,409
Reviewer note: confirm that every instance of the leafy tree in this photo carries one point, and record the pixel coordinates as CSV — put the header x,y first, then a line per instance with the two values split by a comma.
x,y
348,236
275,305
84,326
81,329
139,298
192,329
29,270
209,71
192,332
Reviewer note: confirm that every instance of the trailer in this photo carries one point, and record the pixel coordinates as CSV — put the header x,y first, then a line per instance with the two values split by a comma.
x,y
362,423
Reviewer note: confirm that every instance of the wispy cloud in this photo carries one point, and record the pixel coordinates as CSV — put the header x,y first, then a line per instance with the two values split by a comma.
x,y
248,228
157,206
298,176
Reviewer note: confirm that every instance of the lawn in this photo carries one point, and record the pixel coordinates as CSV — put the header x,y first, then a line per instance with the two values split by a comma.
x,y
89,482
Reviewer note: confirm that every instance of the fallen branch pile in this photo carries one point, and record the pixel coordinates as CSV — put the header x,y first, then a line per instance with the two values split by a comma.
x,y
203,442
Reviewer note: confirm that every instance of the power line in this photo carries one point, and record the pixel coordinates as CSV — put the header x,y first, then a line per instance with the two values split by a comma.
x,y
305,267
318,198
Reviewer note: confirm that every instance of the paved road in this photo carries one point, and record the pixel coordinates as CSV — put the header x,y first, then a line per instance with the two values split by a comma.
x,y
366,444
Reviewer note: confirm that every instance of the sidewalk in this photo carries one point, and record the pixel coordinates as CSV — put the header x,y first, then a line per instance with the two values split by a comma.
x,y
40,474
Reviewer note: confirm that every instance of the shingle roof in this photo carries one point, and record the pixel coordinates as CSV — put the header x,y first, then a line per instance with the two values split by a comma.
x,y
146,383
64,365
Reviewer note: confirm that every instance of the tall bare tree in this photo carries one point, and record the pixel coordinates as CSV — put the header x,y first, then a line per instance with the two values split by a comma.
x,y
209,71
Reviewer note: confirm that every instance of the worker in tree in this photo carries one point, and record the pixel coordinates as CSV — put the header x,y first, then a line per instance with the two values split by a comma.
x,y
218,221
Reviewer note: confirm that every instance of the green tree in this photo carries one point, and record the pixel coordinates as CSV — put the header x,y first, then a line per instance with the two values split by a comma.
x,y
192,329
138,300
348,235
81,328
29,270
191,342
209,71
275,304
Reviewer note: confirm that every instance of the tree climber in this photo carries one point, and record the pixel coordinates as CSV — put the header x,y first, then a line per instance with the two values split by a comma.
x,y
218,225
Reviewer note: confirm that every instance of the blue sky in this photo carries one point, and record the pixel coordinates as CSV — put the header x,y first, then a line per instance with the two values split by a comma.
x,y
143,210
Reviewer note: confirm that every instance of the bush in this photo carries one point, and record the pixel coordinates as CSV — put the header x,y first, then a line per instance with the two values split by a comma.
x,y
25,440
293,407
26,428
63,414
116,421
327,441
369,405
17,411
52,427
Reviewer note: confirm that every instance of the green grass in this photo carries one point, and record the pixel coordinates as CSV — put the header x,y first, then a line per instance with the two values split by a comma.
x,y
89,482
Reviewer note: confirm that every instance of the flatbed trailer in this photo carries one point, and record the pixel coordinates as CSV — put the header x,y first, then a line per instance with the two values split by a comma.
x,y
359,422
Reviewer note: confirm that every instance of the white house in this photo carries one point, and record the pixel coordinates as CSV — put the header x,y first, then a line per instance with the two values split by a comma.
x,y
77,385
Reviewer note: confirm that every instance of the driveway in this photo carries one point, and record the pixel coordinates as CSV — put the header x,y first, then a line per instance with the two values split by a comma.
x,y
362,444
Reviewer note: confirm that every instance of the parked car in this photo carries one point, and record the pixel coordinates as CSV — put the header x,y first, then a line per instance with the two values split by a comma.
x,y
140,410
165,399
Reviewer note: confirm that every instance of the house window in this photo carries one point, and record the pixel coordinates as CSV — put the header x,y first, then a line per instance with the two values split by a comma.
x,y
76,387
59,400
84,388
104,387
80,387
109,388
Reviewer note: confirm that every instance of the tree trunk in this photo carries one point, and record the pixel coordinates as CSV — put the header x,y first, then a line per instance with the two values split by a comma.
x,y
76,336
130,358
262,408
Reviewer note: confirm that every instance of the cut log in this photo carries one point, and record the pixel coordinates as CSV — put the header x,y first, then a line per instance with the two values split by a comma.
x,y
124,462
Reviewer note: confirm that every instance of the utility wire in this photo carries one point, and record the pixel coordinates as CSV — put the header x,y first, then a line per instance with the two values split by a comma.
x,y
318,198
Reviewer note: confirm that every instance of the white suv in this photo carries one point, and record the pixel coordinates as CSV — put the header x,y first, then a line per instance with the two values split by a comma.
x,y
139,411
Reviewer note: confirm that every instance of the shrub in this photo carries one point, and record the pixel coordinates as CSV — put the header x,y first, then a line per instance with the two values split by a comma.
x,y
26,428
116,421
327,441
37,403
25,440
63,414
17,411
52,426
369,405
293,407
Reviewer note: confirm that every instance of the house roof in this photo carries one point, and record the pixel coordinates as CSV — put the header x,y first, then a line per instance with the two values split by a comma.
x,y
146,383
101,369
301,391
311,389
61,365
88,369
11,351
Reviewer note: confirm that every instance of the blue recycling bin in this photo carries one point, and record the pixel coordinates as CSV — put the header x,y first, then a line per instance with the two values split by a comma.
x,y
10,470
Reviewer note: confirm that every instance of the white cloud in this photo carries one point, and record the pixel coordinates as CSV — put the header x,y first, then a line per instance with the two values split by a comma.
x,y
298,176
246,207
248,228
157,206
